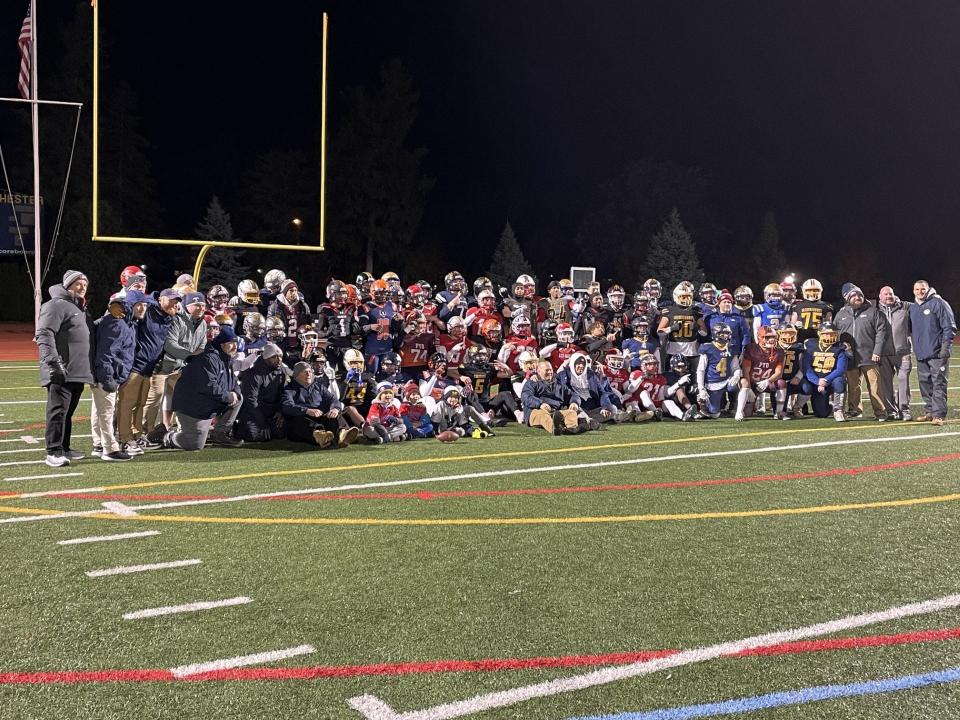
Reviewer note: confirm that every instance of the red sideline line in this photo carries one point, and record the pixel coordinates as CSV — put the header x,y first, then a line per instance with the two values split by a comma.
x,y
428,495
447,666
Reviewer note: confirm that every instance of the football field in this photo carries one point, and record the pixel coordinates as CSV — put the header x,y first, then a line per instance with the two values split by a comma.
x,y
764,569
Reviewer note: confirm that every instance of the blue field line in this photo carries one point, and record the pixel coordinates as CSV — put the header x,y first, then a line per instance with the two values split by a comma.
x,y
789,697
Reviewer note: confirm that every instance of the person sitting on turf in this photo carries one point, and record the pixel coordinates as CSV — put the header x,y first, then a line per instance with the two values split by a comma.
x,y
591,393
414,413
312,409
262,384
451,414
207,391
548,403
384,422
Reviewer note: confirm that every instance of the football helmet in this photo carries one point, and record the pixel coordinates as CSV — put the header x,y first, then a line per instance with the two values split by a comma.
x,y
827,335
520,326
616,297
788,290
213,327
132,275
743,297
273,280
276,330
786,335
426,287
482,283
683,294
653,288
527,361
454,282
547,331
767,337
390,363
641,328
679,364
379,290
477,356
333,290
529,285
254,325
721,333
487,300
395,293
491,331
708,293
364,281
457,327
415,295
438,359
614,359
308,336
641,301
812,290
415,323
566,287
217,298
391,277
772,295
565,333
353,360
249,292
650,365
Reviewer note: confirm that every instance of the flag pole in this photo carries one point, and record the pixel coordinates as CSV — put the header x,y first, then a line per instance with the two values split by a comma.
x,y
35,122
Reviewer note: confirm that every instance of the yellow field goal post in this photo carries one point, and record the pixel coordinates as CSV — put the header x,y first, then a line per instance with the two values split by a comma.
x,y
204,245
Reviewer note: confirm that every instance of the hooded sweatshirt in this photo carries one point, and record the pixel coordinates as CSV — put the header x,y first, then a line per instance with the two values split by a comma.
x,y
933,327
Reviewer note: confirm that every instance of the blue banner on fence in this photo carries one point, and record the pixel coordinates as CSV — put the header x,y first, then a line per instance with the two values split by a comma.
x,y
14,209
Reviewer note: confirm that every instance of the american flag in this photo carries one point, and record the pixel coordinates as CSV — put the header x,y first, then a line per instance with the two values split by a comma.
x,y
23,84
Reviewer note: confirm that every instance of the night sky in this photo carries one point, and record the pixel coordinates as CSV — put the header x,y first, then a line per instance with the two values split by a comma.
x,y
841,117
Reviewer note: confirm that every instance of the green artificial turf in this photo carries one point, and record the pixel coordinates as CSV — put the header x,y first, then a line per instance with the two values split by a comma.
x,y
366,594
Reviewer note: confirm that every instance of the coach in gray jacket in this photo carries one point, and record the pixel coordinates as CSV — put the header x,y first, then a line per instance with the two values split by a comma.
x,y
895,368
866,331
187,337
933,328
65,338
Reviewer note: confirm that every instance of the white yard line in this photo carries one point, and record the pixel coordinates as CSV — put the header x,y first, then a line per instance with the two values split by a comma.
x,y
13,430
118,508
241,661
186,608
35,402
53,493
108,538
5,422
21,462
41,477
127,569
466,476
7,452
373,708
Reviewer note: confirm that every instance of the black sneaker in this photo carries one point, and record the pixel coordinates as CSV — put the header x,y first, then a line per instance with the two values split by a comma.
x,y
118,456
558,424
225,440
156,435
150,444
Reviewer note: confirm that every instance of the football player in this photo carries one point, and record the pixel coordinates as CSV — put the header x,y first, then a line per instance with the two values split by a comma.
x,y
378,323
649,390
555,306
788,289
681,324
707,302
653,290
792,362
824,368
616,302
271,287
519,339
357,388
563,349
453,300
293,312
337,323
762,372
743,300
388,369
487,384
486,308
416,346
455,343
771,311
718,373
639,344
811,312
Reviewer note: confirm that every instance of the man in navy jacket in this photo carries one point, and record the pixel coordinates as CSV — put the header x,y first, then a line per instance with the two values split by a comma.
x,y
932,327
207,391
312,408
591,392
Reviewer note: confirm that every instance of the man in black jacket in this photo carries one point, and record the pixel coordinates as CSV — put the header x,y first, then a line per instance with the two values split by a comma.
x,y
65,338
262,384
207,391
312,409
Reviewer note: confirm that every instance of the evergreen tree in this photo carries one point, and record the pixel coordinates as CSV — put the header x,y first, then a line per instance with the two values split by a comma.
x,y
508,261
768,258
672,256
222,265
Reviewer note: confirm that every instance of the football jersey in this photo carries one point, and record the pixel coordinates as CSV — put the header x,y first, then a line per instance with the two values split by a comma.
x,y
637,350
759,364
557,310
380,339
683,339
337,325
655,386
811,314
719,364
791,360
519,345
617,378
415,350
829,363
454,350
485,382
769,316
561,353
357,390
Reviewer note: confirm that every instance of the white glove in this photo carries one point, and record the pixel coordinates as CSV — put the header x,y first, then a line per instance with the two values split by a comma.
x,y
330,373
762,386
684,380
703,395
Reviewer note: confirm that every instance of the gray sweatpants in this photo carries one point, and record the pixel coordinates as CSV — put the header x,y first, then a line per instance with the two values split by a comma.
x,y
895,380
193,432
932,375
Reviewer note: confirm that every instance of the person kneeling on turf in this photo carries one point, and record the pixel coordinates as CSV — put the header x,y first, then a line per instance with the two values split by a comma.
x,y
206,392
549,404
312,408
262,386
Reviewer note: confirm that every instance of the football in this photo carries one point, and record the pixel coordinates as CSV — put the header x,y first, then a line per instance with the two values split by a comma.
x,y
447,436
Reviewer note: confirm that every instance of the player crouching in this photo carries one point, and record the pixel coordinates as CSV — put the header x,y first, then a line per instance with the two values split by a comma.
x,y
718,372
824,368
762,372
652,391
